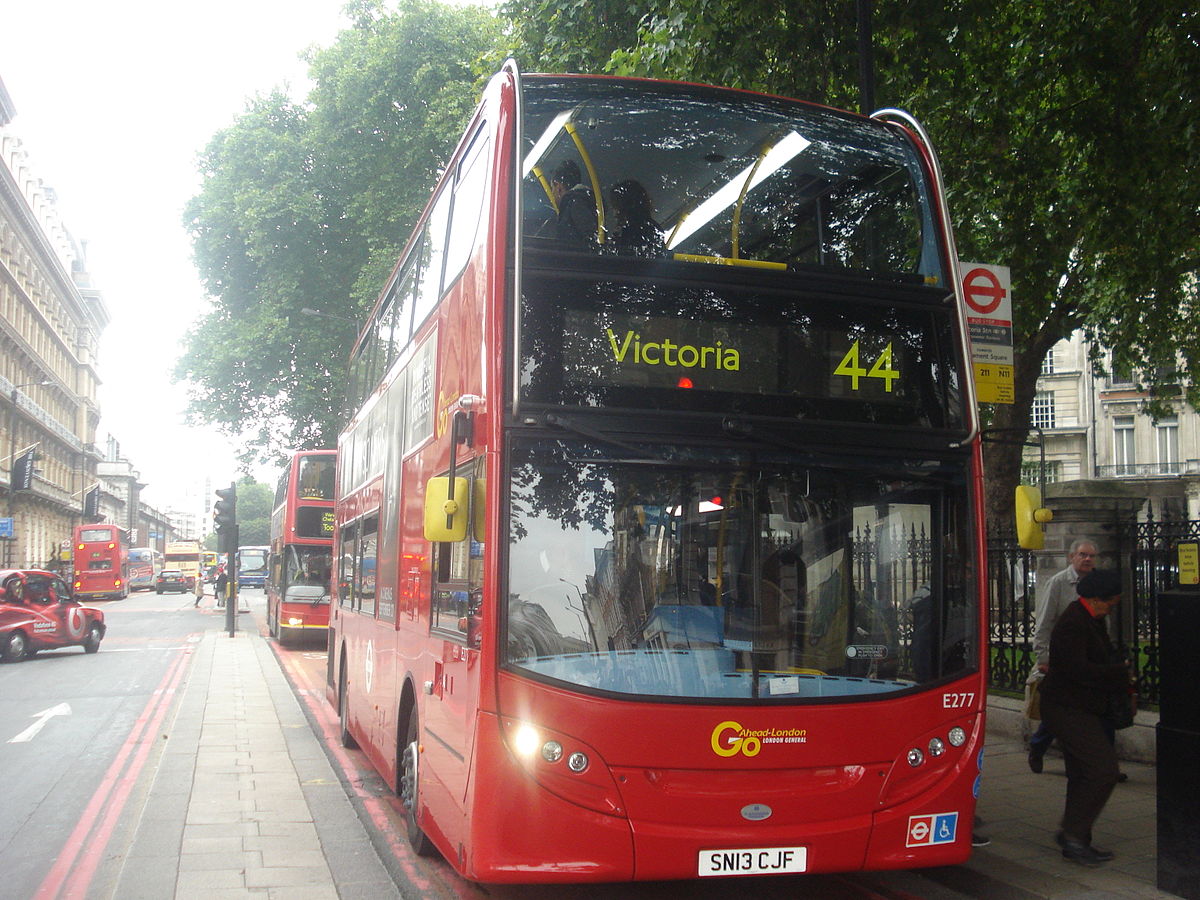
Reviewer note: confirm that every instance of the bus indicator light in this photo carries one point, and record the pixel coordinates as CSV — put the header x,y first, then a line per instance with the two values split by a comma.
x,y
577,762
686,383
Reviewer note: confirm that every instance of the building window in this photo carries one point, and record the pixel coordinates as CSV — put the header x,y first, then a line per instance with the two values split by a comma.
x,y
1118,374
1167,433
1031,471
1048,363
1043,409
1123,447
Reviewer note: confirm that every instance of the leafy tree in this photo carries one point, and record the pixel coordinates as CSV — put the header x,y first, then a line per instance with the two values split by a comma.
x,y
1066,131
255,502
307,205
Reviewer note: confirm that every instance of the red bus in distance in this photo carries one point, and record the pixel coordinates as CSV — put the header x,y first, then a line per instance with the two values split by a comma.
x,y
301,551
659,520
100,556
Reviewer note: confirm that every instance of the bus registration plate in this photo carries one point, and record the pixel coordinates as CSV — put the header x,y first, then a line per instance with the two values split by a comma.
x,y
754,861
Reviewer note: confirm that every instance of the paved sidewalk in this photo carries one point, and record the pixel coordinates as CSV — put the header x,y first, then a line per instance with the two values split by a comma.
x,y
1021,811
244,802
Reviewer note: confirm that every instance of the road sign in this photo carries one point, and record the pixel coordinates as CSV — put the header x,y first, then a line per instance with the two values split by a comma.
x,y
987,295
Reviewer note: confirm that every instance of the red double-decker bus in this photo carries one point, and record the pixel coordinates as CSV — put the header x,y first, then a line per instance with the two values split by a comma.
x,y
659,534
101,562
301,553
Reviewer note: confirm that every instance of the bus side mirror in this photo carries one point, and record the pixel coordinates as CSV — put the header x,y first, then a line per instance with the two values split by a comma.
x,y
446,518
1031,516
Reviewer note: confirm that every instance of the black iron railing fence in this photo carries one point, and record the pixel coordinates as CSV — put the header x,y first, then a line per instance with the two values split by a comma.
x,y
1011,606
1147,559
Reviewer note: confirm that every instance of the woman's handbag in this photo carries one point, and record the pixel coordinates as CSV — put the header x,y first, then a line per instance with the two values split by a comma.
x,y
1122,708
1033,696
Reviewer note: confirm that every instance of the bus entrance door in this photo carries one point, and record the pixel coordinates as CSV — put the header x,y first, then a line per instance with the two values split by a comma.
x,y
449,717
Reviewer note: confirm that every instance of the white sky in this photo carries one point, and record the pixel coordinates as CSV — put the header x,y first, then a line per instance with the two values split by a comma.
x,y
115,99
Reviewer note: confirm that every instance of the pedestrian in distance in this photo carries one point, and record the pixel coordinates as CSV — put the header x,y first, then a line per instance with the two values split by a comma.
x,y
1075,696
220,586
1058,594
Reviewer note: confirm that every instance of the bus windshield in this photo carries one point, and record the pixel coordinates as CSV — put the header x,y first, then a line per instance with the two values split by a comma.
x,y
708,175
698,576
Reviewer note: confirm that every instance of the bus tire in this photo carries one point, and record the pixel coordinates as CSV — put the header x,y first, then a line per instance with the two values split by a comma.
x,y
344,734
408,785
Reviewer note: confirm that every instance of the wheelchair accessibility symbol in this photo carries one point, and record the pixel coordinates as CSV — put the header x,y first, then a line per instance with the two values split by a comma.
x,y
938,828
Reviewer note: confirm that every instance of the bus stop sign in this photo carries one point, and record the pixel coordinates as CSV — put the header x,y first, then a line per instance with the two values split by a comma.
x,y
987,302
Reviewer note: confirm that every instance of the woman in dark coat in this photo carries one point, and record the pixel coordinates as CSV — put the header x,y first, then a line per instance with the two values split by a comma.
x,y
1075,695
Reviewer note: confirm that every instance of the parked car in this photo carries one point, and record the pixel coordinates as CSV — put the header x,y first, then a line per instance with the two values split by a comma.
x,y
172,580
37,612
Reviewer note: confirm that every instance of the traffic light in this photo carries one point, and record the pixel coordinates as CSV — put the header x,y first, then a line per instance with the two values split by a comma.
x,y
225,519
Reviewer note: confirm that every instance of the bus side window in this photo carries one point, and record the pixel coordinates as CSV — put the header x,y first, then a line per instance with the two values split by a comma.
x,y
432,255
368,557
346,567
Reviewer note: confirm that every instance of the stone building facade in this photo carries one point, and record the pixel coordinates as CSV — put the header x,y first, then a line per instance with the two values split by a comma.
x,y
51,319
1095,427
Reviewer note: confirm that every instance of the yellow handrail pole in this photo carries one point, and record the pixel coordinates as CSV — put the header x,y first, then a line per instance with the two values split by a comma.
x,y
541,177
569,127
735,228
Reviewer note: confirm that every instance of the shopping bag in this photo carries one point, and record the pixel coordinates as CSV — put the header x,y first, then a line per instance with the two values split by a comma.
x,y
1033,697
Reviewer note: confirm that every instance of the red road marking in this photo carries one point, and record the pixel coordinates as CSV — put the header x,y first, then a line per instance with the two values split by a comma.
x,y
117,782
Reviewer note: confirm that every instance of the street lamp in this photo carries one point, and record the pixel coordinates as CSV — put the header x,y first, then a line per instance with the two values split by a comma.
x,y
12,447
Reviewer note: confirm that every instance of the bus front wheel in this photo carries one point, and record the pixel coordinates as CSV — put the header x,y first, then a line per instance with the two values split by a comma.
x,y
410,755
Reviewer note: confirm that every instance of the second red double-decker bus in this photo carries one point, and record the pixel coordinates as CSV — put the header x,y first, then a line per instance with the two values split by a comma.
x,y
659,523
301,551
101,562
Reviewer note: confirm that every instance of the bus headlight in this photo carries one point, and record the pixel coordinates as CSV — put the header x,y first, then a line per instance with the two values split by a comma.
x,y
957,736
526,740
915,757
936,747
552,751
